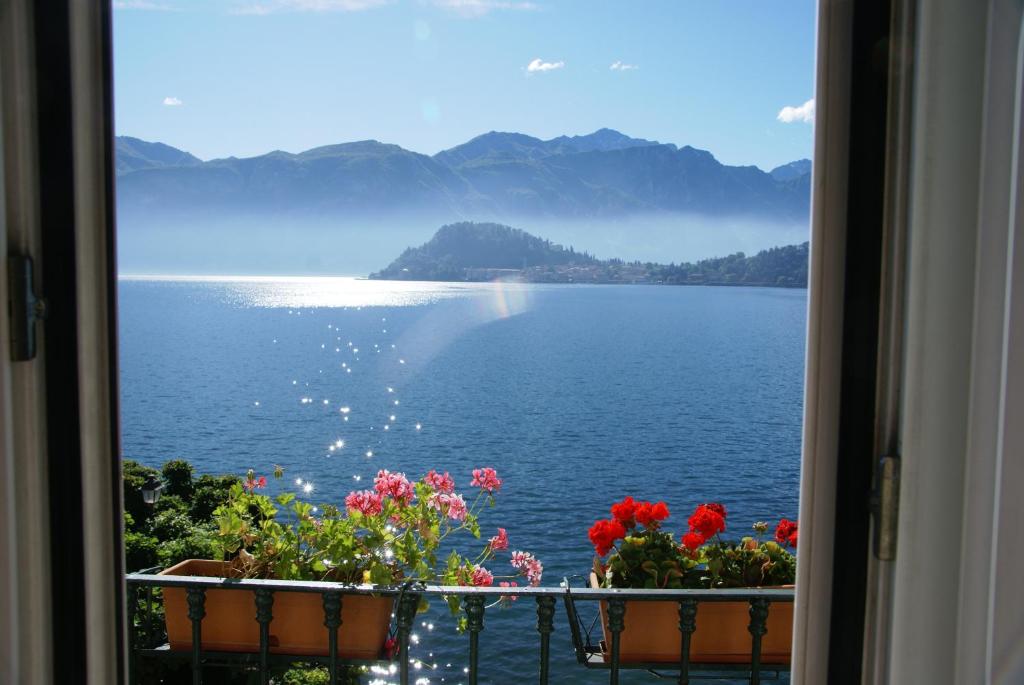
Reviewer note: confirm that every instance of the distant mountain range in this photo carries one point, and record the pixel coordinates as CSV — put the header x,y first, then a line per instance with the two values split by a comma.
x,y
605,174
469,251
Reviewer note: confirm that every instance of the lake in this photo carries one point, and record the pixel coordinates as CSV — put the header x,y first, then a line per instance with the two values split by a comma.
x,y
578,395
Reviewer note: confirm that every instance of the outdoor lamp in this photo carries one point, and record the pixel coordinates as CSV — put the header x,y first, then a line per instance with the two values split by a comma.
x,y
151,490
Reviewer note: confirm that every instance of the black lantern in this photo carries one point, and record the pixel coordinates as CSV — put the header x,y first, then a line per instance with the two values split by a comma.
x,y
151,490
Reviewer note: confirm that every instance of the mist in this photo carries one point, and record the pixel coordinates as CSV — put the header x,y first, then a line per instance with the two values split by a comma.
x,y
217,243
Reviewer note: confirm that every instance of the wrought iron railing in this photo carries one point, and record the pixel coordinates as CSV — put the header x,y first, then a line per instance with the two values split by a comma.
x,y
147,639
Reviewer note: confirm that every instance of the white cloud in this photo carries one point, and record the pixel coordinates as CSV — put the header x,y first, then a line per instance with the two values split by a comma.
x,y
540,65
261,7
622,66
172,102
804,113
478,8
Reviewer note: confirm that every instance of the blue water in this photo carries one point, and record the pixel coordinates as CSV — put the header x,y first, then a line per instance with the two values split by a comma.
x,y
577,395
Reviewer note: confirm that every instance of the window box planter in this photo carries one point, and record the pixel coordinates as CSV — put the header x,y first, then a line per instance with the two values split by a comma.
x,y
651,633
297,627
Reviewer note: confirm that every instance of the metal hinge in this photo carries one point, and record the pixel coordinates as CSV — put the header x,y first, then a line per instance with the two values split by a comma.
x,y
24,308
885,505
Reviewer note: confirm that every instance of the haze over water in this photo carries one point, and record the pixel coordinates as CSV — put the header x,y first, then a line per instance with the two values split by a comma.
x,y
577,395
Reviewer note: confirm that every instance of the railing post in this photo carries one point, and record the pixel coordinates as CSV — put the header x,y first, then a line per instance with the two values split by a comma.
x,y
264,615
133,640
687,624
332,621
196,612
616,624
407,605
475,623
545,626
149,616
758,627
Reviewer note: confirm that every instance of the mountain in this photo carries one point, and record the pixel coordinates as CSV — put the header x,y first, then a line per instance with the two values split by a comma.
x,y
605,174
133,154
787,172
496,146
470,251
456,248
365,175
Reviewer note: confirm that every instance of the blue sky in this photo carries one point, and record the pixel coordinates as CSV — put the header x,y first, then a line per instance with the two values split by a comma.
x,y
225,77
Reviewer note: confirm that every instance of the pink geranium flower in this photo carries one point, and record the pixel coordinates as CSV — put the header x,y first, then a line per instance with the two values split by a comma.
x,y
486,479
528,565
481,577
452,505
254,483
500,541
441,483
394,485
366,502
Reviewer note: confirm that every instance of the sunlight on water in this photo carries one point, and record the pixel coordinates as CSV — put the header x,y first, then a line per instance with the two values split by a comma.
x,y
500,300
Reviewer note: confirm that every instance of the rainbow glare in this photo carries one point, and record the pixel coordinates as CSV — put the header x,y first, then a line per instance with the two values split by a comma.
x,y
506,299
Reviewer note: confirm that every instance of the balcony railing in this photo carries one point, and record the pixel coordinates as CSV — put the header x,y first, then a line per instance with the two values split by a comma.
x,y
147,639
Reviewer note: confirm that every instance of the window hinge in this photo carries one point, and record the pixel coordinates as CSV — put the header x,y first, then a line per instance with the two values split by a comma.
x,y
24,308
885,505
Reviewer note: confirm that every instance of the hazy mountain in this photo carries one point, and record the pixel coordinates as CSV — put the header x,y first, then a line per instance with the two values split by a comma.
x,y
132,154
788,172
601,175
365,175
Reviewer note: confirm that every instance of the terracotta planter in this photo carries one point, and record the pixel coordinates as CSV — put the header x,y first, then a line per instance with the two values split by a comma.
x,y
297,628
652,632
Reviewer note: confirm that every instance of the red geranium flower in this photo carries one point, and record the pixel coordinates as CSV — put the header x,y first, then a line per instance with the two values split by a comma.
x,y
625,511
784,531
716,507
391,647
648,514
692,541
706,521
604,534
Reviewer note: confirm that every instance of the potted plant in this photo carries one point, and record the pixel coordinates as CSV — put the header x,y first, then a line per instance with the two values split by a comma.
x,y
633,551
387,535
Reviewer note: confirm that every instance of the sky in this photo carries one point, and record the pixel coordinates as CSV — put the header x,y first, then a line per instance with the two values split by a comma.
x,y
222,78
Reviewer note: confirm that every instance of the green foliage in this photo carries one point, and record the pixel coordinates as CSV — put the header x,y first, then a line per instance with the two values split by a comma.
x,y
651,559
134,476
209,493
199,543
170,525
778,266
178,478
169,531
140,550
312,675
748,563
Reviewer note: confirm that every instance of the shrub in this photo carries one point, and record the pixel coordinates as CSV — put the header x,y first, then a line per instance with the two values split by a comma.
x,y
306,676
134,475
170,525
199,543
209,493
140,550
178,479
